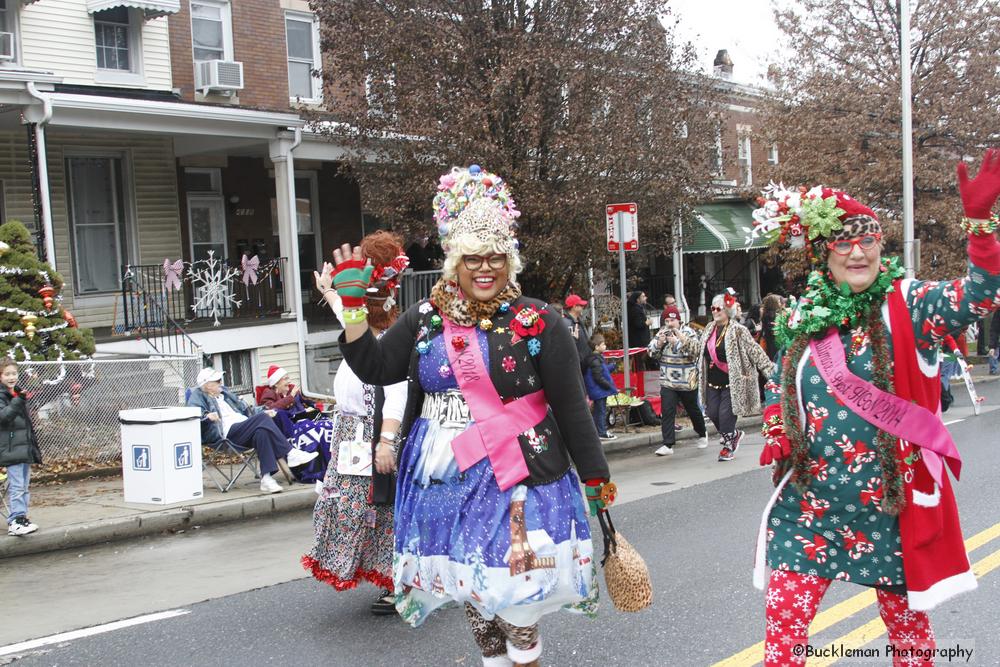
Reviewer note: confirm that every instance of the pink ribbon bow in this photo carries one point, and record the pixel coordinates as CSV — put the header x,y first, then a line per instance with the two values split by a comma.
x,y
250,266
172,274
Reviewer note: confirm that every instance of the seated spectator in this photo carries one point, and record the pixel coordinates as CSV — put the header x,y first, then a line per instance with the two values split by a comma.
x,y
224,415
300,421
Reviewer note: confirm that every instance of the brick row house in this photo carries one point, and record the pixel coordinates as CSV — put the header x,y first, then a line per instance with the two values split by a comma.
x,y
139,133
714,254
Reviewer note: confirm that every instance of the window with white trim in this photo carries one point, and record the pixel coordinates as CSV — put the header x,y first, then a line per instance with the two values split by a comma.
x,y
743,153
116,36
772,154
302,40
8,31
238,369
211,30
98,215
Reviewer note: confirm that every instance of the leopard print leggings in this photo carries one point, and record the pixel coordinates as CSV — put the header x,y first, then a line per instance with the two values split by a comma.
x,y
492,636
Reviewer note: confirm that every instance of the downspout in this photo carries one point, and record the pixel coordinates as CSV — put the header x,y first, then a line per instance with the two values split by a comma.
x,y
43,172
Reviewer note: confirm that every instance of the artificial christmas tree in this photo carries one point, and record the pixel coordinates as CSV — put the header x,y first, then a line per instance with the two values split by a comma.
x,y
33,324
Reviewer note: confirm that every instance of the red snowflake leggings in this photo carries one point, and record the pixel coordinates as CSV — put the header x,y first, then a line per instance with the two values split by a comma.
x,y
793,599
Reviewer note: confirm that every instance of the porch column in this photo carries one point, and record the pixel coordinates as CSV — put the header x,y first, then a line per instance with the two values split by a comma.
x,y
678,259
755,295
38,157
288,232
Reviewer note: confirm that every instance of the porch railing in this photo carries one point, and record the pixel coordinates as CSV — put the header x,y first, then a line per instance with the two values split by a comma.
x,y
416,285
205,292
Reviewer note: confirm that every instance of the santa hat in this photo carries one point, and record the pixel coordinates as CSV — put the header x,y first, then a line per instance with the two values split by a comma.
x,y
274,374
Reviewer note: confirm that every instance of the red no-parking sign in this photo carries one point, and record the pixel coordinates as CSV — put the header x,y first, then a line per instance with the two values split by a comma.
x,y
623,227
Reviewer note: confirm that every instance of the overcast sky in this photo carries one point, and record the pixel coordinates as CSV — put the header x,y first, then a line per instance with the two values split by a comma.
x,y
744,27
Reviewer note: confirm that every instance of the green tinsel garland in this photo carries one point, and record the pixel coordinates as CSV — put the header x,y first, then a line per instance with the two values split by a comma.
x,y
824,305
885,443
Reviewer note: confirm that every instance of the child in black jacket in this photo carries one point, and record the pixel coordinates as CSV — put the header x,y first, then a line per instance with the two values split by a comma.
x,y
18,448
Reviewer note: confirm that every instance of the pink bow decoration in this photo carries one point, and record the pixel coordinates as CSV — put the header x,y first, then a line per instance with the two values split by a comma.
x,y
172,274
250,266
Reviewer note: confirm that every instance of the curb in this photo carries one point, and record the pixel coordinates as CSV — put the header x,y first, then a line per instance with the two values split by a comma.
x,y
632,441
157,521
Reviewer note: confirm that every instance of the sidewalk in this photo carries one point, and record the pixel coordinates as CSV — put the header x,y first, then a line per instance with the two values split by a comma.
x,y
82,512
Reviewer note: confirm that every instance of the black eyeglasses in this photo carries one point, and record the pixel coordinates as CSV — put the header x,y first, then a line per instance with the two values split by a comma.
x,y
474,262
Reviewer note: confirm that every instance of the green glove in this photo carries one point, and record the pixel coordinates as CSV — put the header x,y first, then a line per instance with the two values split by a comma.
x,y
351,281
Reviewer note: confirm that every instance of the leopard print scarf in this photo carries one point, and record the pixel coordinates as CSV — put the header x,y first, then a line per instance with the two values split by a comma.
x,y
469,312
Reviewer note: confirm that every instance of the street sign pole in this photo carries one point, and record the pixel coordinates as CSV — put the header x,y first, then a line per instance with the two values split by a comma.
x,y
620,231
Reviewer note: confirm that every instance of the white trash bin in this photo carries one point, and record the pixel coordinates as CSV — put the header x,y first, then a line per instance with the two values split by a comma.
x,y
161,454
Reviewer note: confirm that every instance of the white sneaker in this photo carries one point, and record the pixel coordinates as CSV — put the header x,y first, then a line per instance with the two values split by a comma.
x,y
664,451
20,527
268,485
703,442
297,457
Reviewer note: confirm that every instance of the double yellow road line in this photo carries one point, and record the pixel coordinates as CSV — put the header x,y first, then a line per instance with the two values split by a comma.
x,y
874,628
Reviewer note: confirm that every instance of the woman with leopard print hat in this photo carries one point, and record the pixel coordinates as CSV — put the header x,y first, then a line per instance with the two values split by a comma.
x,y
852,421
488,512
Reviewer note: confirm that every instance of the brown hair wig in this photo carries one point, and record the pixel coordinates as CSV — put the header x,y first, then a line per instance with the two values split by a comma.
x,y
381,247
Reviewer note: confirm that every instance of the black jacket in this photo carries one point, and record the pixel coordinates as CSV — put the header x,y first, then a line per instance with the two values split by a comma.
x,y
18,443
638,330
995,330
568,425
582,340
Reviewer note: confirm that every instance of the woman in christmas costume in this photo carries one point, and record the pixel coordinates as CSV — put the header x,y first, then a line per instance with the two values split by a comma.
x,y
728,365
852,419
488,511
352,518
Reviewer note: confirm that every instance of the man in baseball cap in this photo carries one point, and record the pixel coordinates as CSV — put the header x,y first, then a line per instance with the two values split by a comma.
x,y
573,315
676,348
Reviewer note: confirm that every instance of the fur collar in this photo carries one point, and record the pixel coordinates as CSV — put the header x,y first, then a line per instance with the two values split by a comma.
x,y
468,312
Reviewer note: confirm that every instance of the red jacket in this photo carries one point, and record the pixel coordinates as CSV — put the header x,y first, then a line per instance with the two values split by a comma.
x,y
935,562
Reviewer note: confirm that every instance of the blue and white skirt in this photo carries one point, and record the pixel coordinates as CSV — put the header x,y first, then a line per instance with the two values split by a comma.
x,y
517,554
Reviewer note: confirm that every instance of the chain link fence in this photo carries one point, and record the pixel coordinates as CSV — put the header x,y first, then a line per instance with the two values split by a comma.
x,y
74,404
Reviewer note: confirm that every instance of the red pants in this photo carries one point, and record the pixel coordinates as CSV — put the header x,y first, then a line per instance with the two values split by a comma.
x,y
793,599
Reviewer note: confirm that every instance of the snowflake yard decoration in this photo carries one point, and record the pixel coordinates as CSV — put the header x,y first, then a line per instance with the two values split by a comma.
x,y
211,282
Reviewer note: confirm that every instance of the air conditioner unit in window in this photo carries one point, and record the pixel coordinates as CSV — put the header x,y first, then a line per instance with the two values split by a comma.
x,y
6,46
218,76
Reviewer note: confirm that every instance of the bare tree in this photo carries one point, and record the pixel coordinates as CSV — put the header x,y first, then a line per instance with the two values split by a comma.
x,y
576,103
837,114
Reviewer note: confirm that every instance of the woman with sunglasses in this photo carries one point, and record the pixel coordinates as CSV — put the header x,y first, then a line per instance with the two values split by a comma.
x,y
489,512
728,365
852,421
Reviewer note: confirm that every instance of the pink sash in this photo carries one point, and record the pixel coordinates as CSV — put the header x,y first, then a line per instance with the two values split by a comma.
x,y
909,421
713,355
496,426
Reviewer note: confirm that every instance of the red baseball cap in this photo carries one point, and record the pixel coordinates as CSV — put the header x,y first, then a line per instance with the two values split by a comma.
x,y
574,300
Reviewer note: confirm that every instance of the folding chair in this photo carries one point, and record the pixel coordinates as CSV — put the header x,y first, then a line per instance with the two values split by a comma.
x,y
212,453
235,457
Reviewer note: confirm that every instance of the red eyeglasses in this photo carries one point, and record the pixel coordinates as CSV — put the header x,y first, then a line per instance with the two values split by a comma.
x,y
846,247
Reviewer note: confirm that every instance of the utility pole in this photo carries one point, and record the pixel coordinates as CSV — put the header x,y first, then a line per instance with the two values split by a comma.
x,y
904,75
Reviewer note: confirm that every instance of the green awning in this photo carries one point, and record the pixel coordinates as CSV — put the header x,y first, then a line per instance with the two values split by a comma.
x,y
720,228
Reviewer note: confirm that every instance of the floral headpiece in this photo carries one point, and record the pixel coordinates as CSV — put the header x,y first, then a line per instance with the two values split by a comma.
x,y
796,216
494,218
388,275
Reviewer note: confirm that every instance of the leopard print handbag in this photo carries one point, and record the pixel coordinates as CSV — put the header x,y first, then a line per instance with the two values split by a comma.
x,y
625,571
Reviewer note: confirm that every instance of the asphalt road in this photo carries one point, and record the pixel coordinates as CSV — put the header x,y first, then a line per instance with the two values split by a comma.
x,y
237,596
